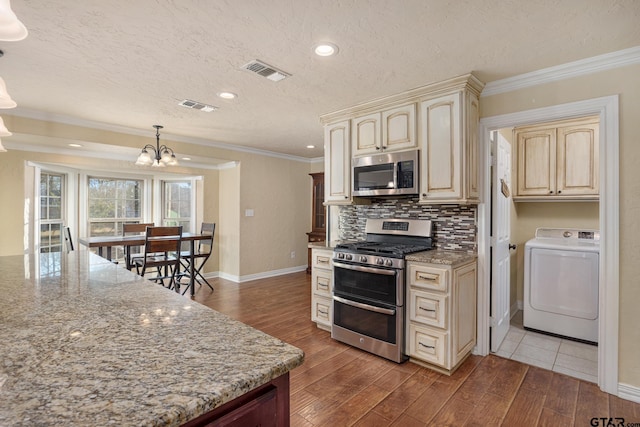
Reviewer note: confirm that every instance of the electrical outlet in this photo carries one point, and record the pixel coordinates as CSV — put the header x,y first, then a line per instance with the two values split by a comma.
x,y
293,254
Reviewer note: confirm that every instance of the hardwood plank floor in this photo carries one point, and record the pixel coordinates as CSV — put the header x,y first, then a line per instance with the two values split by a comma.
x,y
341,386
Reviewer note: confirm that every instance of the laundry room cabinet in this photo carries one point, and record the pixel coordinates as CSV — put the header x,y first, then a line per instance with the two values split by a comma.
x,y
557,161
441,314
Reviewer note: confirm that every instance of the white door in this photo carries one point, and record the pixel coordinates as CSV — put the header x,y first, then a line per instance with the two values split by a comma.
x,y
501,234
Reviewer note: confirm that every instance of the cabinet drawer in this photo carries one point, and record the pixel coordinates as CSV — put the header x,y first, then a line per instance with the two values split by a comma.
x,y
321,259
428,345
321,310
436,279
321,282
430,309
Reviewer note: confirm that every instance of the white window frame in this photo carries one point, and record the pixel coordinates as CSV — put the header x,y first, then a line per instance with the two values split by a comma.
x,y
69,215
158,197
84,200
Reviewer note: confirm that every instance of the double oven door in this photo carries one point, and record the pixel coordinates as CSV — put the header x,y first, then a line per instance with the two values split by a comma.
x,y
368,309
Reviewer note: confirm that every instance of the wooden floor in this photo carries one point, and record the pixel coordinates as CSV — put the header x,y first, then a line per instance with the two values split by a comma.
x,y
341,386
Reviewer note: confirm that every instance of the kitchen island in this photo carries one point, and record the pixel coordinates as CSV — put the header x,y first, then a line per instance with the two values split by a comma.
x,y
86,342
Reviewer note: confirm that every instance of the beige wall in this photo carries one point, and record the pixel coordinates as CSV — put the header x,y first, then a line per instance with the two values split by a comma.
x,y
277,189
623,81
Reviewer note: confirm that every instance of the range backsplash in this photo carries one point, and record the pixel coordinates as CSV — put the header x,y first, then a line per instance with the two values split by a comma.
x,y
454,225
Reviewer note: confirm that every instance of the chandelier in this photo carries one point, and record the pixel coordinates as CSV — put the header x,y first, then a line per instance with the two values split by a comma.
x,y
162,155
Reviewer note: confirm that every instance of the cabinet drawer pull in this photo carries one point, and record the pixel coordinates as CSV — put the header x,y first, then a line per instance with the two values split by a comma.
x,y
427,346
323,285
323,312
427,309
430,278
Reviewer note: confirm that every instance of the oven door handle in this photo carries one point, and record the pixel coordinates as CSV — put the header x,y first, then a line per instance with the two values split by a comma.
x,y
387,311
365,269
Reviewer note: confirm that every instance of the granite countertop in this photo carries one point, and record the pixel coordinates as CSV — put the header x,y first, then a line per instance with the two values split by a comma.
x,y
86,342
439,256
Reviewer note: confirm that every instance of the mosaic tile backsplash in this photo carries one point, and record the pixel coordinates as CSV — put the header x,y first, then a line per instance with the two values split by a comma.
x,y
454,226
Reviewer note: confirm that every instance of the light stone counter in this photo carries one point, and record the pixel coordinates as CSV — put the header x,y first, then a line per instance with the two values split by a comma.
x,y
85,342
438,256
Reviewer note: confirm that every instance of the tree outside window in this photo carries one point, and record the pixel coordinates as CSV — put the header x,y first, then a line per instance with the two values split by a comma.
x,y
176,205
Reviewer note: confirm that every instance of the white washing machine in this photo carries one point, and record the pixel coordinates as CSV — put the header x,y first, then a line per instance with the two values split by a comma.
x,y
561,283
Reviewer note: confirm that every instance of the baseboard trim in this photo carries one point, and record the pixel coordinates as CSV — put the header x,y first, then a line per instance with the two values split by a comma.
x,y
263,275
514,309
628,392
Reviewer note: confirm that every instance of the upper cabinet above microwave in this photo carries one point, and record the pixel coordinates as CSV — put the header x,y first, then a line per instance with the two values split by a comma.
x,y
440,119
389,130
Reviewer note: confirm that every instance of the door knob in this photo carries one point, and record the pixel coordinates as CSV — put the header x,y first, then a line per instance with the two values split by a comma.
x,y
512,246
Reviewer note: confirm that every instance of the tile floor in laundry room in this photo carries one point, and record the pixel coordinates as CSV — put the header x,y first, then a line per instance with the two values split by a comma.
x,y
560,355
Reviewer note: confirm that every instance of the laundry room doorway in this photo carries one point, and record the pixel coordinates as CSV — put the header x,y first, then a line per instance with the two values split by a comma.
x,y
529,215
561,346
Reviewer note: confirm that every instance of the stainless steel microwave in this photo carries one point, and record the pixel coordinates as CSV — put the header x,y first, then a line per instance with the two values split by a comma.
x,y
389,174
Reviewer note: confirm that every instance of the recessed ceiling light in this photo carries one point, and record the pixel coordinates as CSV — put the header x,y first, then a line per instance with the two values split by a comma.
x,y
311,146
186,158
325,49
75,145
227,95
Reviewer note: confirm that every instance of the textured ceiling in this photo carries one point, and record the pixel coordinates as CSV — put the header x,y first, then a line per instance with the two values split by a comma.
x,y
129,62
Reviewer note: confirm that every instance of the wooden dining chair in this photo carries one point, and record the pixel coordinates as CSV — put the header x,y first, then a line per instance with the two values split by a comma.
x,y
131,230
203,250
161,253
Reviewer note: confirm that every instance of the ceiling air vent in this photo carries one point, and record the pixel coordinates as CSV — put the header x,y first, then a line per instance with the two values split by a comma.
x,y
265,70
198,106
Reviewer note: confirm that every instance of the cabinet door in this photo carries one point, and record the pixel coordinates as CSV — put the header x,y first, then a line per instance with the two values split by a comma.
x,y
440,130
428,344
428,308
399,128
321,282
337,163
537,162
471,149
427,277
464,284
321,310
365,135
577,157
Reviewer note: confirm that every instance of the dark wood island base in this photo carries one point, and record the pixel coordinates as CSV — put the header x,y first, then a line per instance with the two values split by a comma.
x,y
266,406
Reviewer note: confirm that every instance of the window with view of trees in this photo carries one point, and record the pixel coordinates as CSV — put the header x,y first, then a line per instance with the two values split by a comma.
x,y
51,211
176,204
112,202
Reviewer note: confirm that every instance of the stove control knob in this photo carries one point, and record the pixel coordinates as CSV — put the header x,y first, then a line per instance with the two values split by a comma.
x,y
388,263
380,261
363,258
348,257
340,255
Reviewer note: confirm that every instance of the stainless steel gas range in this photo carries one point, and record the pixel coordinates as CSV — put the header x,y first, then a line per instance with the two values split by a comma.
x,y
369,285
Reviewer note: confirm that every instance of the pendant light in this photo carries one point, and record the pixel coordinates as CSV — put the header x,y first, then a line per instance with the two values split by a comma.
x,y
162,155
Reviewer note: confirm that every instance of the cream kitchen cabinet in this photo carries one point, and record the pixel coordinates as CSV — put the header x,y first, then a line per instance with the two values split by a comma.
x,y
337,163
449,140
441,319
440,119
558,161
389,130
321,288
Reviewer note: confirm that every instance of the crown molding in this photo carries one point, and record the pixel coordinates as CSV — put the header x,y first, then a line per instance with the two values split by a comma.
x,y
74,121
591,65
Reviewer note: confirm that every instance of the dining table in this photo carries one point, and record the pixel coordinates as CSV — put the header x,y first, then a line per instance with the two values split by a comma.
x,y
104,245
